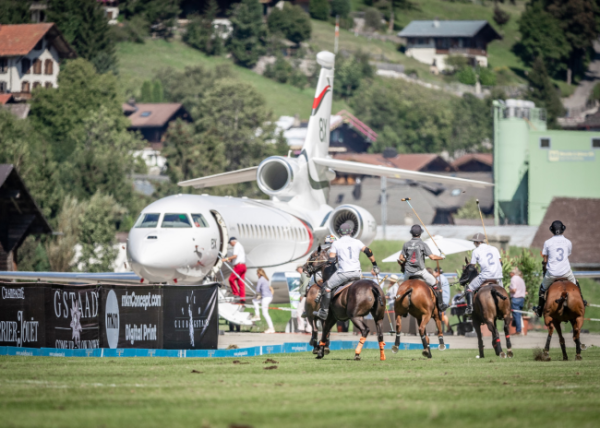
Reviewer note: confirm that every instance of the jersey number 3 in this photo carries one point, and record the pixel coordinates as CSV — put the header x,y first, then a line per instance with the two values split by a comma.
x,y
561,253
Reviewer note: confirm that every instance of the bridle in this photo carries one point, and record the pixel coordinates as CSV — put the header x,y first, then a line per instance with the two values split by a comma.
x,y
315,263
472,273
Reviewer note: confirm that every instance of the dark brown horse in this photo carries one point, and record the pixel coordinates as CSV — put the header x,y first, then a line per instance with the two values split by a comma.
x,y
415,297
491,303
352,303
310,306
563,304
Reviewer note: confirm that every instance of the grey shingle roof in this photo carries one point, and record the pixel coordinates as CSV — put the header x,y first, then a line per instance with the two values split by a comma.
x,y
442,28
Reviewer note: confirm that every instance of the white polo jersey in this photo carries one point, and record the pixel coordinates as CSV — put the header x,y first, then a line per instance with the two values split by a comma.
x,y
348,253
488,258
238,251
558,249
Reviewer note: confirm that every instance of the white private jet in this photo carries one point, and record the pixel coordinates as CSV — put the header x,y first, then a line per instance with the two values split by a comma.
x,y
179,239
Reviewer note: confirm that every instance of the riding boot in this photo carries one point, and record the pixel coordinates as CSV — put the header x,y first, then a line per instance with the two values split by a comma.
x,y
539,309
440,301
469,299
585,303
324,310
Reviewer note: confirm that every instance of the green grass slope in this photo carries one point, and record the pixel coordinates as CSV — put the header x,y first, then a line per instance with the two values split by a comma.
x,y
139,62
452,390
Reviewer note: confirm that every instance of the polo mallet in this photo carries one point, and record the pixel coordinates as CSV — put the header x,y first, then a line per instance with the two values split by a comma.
x,y
481,216
423,224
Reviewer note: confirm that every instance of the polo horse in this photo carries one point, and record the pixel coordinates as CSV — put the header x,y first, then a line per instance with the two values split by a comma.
x,y
490,303
311,305
350,302
415,297
563,304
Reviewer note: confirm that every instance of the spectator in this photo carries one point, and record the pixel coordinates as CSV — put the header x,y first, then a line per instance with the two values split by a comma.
x,y
443,283
517,298
391,283
300,310
266,296
236,279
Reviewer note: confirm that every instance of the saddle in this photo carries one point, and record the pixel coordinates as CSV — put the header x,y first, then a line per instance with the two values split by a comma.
x,y
487,283
340,289
416,277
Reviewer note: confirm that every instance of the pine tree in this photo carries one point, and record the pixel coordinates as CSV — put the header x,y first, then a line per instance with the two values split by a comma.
x,y
157,92
247,38
15,12
319,9
501,17
85,27
543,93
146,92
341,8
292,22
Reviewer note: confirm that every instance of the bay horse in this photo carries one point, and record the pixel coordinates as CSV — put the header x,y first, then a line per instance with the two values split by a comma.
x,y
310,306
490,303
415,297
563,304
353,302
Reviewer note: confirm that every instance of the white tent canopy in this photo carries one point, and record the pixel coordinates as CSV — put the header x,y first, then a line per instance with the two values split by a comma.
x,y
447,245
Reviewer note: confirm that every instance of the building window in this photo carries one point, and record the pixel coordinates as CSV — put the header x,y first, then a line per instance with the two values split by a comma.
x,y
48,85
3,65
25,66
39,46
3,86
595,143
25,86
545,143
48,66
37,66
36,85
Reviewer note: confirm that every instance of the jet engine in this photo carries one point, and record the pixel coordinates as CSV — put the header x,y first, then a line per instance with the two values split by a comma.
x,y
365,227
275,176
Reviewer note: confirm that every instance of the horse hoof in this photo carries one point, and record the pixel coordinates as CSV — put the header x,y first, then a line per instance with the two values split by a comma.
x,y
567,358
395,349
510,354
442,347
583,347
502,355
327,351
315,351
357,357
319,356
578,358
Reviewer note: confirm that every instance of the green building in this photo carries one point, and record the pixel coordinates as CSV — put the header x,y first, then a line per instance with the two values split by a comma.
x,y
532,164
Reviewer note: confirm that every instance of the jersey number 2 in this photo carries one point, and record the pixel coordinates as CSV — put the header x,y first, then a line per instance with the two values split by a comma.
x,y
490,258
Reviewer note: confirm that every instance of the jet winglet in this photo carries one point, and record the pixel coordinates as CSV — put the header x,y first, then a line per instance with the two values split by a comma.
x,y
384,171
233,177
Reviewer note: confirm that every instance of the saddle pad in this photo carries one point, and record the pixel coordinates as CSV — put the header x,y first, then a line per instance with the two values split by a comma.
x,y
342,288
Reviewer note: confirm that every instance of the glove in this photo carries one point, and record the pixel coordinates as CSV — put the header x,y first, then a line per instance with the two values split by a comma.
x,y
376,270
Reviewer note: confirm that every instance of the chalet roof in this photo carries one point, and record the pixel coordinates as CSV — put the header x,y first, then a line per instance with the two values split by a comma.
x,y
23,215
580,216
437,28
151,115
484,158
4,98
18,40
412,161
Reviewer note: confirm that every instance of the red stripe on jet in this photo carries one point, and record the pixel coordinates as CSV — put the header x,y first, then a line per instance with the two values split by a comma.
x,y
310,235
317,101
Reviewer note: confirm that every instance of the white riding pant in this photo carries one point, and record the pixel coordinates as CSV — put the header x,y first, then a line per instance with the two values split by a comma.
x,y
341,278
429,278
549,279
301,321
264,301
479,280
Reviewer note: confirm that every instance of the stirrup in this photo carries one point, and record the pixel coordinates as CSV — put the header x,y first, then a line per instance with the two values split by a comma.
x,y
469,310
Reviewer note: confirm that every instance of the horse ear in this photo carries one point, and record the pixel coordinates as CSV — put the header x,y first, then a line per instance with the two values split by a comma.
x,y
466,261
319,249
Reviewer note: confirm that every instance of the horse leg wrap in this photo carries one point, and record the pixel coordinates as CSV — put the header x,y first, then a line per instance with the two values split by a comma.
x,y
381,351
424,340
359,347
322,343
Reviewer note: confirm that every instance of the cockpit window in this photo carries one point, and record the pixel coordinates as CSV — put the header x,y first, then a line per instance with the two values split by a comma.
x,y
176,220
148,220
199,220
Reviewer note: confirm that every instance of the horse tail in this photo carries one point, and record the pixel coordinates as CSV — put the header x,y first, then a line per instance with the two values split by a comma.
x,y
406,294
378,295
562,302
497,295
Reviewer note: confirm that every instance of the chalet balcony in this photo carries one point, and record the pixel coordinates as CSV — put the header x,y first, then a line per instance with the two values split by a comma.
x,y
462,51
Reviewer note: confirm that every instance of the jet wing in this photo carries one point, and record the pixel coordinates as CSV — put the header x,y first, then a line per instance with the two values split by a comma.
x,y
79,277
233,177
384,171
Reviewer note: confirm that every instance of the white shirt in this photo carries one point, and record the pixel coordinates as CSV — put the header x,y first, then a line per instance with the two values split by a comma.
x,y
488,258
238,251
558,249
348,253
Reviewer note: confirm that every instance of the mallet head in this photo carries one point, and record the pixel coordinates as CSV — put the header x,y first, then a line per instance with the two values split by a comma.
x,y
405,199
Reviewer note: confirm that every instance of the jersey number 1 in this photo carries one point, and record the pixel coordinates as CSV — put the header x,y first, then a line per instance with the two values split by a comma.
x,y
350,251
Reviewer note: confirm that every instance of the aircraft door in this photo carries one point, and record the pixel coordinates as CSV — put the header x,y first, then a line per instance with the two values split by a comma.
x,y
224,240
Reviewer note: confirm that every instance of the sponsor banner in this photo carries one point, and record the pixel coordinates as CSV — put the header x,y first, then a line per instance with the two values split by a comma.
x,y
72,317
190,317
272,349
131,316
23,352
297,347
53,352
22,315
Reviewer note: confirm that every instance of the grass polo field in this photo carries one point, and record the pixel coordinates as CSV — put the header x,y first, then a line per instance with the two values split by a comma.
x,y
454,389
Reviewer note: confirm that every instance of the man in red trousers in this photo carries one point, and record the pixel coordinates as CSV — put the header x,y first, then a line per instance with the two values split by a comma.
x,y
238,287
